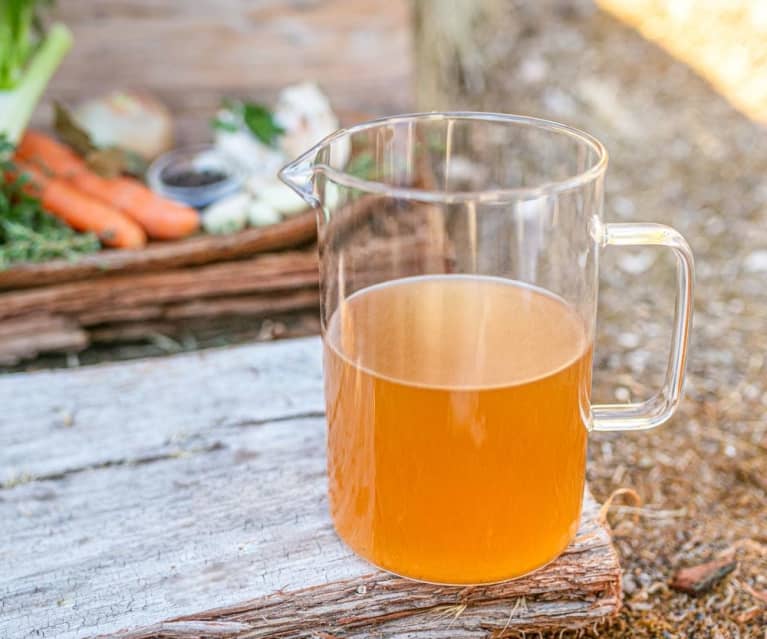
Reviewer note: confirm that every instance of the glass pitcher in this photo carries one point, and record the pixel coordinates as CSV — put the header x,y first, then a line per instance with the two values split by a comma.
x,y
458,278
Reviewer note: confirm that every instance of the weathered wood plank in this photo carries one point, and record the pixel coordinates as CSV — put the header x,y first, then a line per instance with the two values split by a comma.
x,y
263,284
146,493
35,333
169,402
288,270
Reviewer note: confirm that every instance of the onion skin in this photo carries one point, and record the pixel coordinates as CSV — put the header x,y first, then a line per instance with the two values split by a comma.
x,y
136,122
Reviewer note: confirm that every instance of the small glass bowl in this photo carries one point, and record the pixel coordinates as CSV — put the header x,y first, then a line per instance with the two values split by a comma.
x,y
195,158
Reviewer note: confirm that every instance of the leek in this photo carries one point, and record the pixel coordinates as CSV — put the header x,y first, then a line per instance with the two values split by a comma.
x,y
27,63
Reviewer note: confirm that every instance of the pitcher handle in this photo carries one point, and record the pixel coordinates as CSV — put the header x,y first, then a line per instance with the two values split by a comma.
x,y
656,410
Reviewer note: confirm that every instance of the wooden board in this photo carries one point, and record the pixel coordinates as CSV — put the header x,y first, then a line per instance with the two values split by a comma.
x,y
135,497
124,306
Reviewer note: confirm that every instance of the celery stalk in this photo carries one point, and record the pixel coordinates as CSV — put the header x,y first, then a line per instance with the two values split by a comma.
x,y
17,104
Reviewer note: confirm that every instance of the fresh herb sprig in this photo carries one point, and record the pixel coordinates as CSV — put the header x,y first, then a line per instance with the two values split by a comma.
x,y
27,232
257,118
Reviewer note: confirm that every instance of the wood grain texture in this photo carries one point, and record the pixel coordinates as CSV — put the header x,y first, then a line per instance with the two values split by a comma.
x,y
192,54
206,276
38,333
169,402
79,312
269,272
27,335
254,305
136,497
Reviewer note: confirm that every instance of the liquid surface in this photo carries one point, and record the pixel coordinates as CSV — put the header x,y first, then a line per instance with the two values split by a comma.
x,y
456,443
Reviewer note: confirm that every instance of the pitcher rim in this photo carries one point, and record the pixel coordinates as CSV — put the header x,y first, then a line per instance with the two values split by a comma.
x,y
595,170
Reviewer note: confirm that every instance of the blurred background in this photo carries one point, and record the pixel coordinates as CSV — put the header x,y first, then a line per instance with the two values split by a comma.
x,y
676,89
369,54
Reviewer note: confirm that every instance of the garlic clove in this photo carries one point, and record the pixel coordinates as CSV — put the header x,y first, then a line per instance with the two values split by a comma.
x,y
227,215
281,198
262,214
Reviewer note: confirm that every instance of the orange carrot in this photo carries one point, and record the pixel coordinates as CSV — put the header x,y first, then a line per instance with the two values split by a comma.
x,y
49,156
161,218
82,212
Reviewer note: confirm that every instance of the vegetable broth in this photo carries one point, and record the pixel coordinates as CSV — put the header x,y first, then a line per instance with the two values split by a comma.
x,y
456,437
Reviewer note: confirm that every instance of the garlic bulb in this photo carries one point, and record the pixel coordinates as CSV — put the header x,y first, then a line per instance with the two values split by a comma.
x,y
227,215
255,157
304,111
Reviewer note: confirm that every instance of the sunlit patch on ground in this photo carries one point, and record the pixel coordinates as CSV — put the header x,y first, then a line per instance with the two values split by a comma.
x,y
725,41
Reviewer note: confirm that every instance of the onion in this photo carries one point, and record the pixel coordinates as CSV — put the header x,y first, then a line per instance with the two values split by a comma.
x,y
132,121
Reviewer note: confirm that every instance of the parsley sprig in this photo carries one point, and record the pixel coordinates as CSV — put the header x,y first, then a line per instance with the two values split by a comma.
x,y
257,118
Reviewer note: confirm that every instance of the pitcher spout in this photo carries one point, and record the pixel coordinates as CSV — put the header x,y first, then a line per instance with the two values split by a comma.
x,y
299,176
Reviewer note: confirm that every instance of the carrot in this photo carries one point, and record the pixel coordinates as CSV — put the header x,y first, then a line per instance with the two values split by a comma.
x,y
49,156
161,218
82,212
